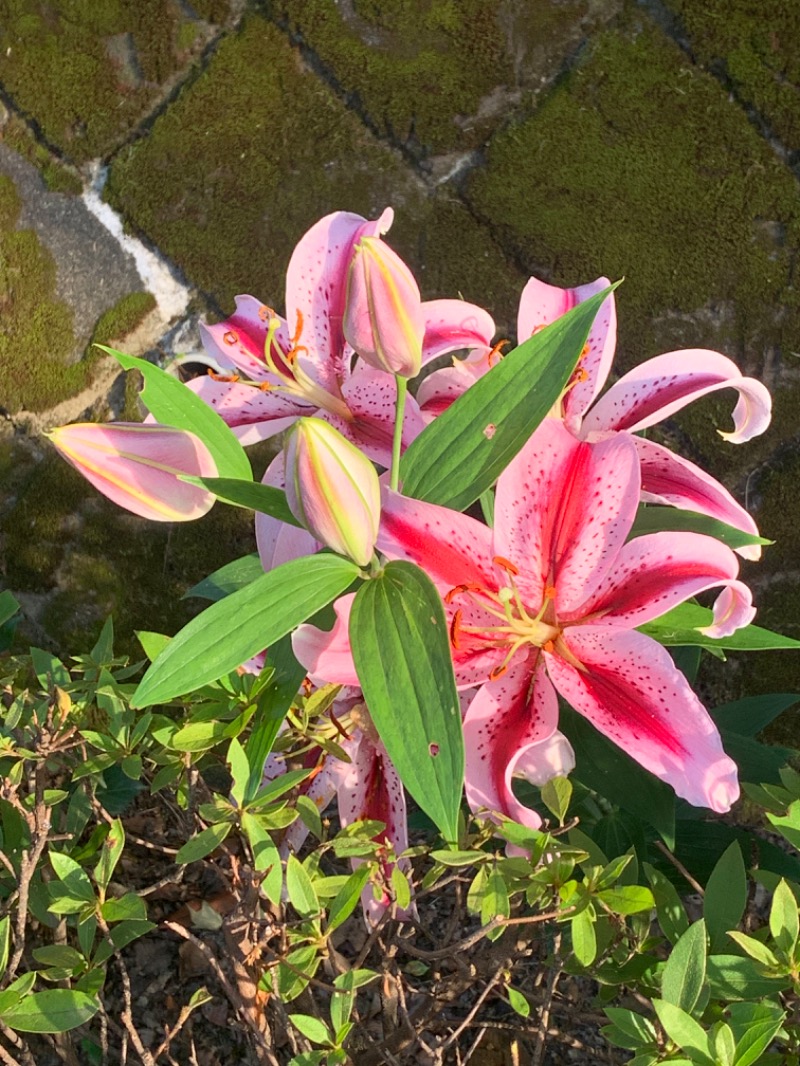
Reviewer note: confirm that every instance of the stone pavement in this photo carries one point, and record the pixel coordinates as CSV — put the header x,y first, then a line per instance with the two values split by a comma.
x,y
659,141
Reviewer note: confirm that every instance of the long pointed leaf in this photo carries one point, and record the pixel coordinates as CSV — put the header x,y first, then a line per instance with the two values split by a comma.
x,y
399,637
232,630
680,626
172,404
651,519
273,703
462,452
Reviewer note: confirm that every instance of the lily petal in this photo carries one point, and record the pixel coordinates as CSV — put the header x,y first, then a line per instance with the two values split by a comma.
x,y
669,479
452,325
541,304
661,386
507,721
371,790
316,286
563,510
452,548
629,688
443,387
326,655
253,415
370,395
655,572
239,341
139,466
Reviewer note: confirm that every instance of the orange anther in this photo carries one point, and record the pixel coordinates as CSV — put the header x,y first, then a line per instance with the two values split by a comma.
x,y
230,337
266,314
505,564
550,592
265,386
223,377
498,671
549,646
455,630
455,591
496,354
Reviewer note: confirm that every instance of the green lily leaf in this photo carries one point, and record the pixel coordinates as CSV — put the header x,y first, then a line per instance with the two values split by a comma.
x,y
462,452
401,650
232,630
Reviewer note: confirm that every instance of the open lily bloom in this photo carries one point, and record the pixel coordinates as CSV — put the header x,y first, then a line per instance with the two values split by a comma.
x,y
302,365
547,602
367,789
645,396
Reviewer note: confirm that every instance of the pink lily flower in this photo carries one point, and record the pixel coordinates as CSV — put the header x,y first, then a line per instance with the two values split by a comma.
x,y
139,467
366,788
546,603
302,365
645,396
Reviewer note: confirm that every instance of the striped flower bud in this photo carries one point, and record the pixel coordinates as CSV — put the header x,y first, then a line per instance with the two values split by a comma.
x,y
332,489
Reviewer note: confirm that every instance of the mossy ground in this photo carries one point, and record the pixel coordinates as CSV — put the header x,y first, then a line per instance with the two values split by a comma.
x,y
755,47
123,317
60,66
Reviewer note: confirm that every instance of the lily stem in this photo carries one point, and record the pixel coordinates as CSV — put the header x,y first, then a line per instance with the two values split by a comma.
x,y
400,406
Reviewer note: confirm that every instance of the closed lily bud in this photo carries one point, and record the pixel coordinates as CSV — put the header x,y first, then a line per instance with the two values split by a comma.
x,y
139,466
332,489
383,319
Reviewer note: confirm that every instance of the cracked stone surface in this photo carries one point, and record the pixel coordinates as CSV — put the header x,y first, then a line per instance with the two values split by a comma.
x,y
567,138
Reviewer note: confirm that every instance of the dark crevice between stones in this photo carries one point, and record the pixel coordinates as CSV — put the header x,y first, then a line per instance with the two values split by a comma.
x,y
673,28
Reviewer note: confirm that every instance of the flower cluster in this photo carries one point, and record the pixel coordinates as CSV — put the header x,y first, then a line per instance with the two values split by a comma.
x,y
545,602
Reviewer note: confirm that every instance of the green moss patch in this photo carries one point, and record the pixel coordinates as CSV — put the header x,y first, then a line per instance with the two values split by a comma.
x,y
254,152
57,177
85,70
638,165
36,339
438,75
755,46
123,317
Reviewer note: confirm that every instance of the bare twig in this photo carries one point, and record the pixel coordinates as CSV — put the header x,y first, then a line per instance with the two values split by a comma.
x,y
126,1017
479,934
230,991
7,1058
544,1013
662,847
481,1034
498,973
174,878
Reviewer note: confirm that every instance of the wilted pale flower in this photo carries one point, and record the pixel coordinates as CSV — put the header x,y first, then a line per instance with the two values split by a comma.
x,y
139,466
384,320
332,489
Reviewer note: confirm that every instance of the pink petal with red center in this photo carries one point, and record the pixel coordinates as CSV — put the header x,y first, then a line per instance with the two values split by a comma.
x,y
452,325
453,549
139,466
326,655
239,341
252,414
330,774
629,688
563,510
661,386
371,790
316,285
278,542
669,479
507,721
656,572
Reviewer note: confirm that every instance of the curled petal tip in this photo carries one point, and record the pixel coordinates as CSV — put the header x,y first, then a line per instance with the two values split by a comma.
x,y
733,609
